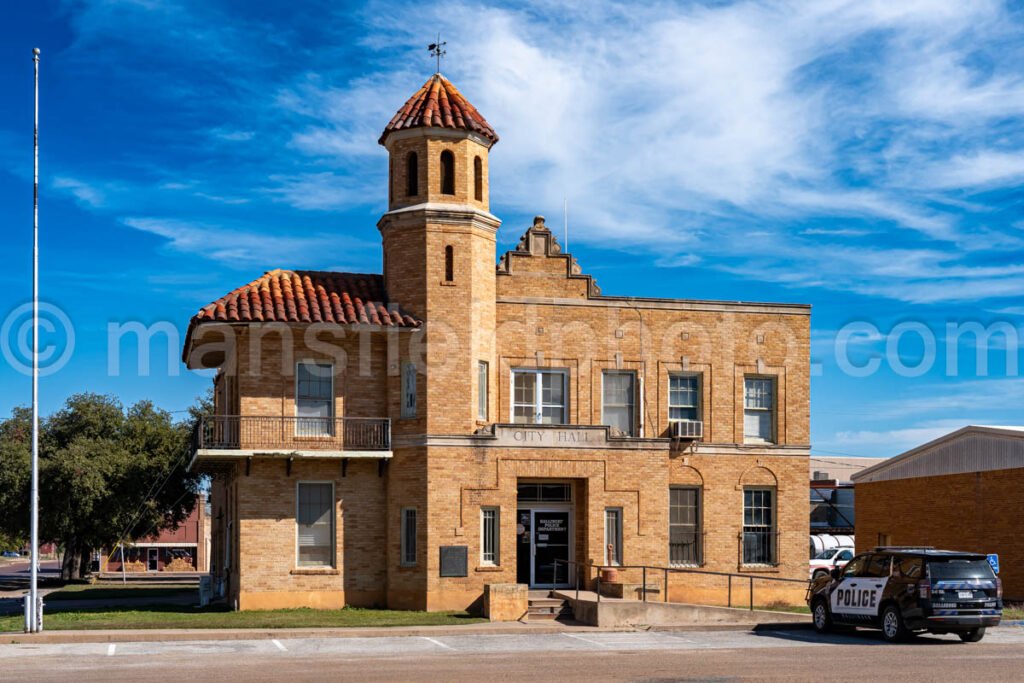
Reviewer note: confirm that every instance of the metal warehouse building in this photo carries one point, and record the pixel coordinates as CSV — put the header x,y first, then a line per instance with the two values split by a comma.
x,y
962,491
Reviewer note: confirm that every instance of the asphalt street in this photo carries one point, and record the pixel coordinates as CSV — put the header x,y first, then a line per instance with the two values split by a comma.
x,y
605,656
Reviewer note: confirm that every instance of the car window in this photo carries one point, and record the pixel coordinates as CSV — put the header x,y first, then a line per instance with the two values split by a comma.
x,y
908,567
877,566
845,556
855,566
959,569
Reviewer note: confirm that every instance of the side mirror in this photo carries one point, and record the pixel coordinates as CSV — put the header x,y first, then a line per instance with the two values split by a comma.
x,y
837,572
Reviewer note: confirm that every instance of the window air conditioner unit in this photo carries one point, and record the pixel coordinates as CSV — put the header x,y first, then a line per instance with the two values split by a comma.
x,y
687,429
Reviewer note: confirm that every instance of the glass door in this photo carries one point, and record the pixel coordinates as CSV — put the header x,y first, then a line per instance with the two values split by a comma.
x,y
551,541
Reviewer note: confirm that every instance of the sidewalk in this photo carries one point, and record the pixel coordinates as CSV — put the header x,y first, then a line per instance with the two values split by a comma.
x,y
215,634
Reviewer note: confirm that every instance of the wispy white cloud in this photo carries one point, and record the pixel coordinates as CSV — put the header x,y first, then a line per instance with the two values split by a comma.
x,y
84,193
242,249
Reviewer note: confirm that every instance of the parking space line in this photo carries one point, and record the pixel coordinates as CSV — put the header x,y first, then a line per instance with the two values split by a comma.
x,y
111,649
585,640
438,643
278,645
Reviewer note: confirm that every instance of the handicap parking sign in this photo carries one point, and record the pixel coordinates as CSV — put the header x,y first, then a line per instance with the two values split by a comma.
x,y
993,560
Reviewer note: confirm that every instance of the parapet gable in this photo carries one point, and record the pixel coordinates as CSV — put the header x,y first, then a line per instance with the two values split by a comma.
x,y
538,267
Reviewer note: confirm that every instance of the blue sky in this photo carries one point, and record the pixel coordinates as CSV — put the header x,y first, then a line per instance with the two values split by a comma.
x,y
863,157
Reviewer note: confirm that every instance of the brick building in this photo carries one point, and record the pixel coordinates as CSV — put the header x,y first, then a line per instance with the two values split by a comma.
x,y
183,549
405,439
962,491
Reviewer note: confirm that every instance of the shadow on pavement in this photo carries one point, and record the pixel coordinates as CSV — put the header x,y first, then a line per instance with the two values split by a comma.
x,y
851,636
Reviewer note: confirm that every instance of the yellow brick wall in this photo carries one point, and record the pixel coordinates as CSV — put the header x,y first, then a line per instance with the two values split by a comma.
x,y
269,575
462,480
428,149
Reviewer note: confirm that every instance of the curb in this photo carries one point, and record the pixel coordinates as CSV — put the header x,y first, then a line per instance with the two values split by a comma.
x,y
511,628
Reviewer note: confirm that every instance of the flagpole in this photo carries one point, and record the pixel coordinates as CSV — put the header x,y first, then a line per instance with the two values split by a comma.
x,y
35,613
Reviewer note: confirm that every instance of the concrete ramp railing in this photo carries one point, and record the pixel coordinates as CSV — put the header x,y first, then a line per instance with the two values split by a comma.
x,y
654,579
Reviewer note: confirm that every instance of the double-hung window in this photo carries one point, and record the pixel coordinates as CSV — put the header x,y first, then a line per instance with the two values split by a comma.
x,y
314,399
489,529
315,520
481,387
759,526
613,536
619,401
407,550
539,396
759,410
685,540
683,398
409,390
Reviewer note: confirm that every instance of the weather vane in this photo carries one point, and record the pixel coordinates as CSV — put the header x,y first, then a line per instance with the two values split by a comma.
x,y
437,50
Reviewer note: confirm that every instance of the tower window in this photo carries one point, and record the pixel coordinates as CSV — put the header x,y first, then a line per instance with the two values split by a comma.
x,y
478,179
449,263
447,172
412,175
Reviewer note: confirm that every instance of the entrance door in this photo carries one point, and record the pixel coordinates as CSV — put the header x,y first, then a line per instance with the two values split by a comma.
x,y
524,546
551,542
154,560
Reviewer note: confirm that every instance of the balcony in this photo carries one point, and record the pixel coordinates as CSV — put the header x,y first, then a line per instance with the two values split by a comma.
x,y
229,437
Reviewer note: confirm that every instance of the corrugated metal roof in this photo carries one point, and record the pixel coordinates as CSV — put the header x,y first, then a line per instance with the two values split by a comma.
x,y
840,468
975,448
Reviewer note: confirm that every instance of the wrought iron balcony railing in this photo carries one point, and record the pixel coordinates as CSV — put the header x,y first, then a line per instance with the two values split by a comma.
x,y
257,432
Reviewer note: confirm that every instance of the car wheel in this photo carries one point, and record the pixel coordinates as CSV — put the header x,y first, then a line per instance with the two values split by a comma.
x,y
818,574
821,616
972,636
893,629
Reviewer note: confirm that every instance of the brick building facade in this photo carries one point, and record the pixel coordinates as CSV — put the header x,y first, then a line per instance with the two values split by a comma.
x,y
405,439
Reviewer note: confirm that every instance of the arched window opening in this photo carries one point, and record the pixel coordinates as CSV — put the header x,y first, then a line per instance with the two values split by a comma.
x,y
447,172
478,179
449,263
412,175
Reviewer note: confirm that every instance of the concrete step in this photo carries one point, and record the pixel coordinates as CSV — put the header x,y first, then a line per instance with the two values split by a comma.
x,y
549,608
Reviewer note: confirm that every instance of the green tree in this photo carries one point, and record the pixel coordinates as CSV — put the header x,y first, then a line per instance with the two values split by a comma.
x,y
106,474
15,464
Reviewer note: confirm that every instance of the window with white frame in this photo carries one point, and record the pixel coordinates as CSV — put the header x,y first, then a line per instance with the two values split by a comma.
x,y
539,396
685,540
618,409
683,397
314,517
408,537
759,410
481,387
490,525
409,390
314,399
613,536
759,526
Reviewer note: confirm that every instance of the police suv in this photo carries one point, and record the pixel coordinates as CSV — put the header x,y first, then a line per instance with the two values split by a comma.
x,y
908,590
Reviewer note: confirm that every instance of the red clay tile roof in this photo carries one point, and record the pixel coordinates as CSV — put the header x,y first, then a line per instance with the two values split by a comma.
x,y
439,104
307,296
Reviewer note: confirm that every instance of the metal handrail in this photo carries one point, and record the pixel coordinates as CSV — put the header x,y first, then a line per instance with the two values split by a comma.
x,y
674,570
231,432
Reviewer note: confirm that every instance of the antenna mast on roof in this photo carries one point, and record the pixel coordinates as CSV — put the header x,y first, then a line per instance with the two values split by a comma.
x,y
437,49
